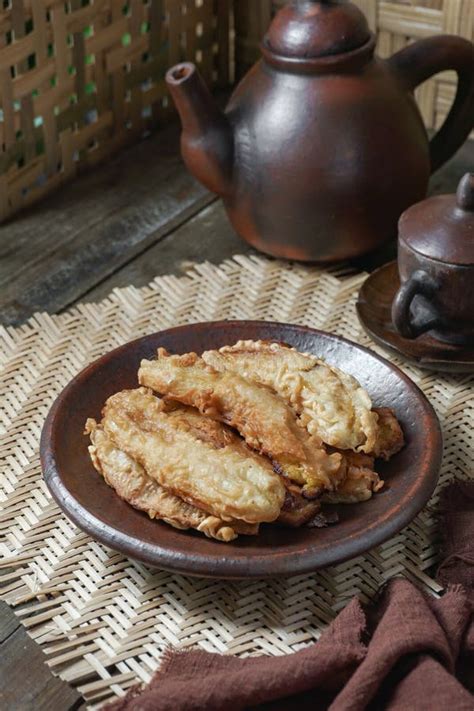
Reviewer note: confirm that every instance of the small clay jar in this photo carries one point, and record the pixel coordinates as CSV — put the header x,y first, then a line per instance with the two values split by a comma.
x,y
436,266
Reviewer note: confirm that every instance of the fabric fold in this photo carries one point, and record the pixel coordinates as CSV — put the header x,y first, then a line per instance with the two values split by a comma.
x,y
406,651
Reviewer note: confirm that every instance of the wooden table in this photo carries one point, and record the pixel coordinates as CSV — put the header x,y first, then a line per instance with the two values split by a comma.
x,y
138,216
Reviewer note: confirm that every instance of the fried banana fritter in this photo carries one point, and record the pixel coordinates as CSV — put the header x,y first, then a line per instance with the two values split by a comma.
x,y
224,478
131,482
306,434
330,403
264,420
360,483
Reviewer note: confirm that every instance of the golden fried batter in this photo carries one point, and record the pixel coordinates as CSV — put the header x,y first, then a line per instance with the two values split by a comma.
x,y
229,481
263,419
214,433
131,482
390,439
330,403
360,483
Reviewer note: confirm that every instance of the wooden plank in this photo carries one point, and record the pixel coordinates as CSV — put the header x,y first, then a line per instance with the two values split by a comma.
x,y
26,683
93,197
54,253
208,236
447,178
8,623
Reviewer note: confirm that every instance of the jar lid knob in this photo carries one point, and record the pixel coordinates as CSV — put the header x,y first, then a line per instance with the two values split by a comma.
x,y
465,192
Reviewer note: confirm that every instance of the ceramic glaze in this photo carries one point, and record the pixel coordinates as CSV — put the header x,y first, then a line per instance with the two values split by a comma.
x,y
436,266
322,146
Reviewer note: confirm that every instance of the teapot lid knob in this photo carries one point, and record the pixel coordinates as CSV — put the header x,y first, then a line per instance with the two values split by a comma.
x,y
311,29
465,192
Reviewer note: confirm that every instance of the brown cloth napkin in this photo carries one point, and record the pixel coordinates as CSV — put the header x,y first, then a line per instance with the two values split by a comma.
x,y
458,511
407,651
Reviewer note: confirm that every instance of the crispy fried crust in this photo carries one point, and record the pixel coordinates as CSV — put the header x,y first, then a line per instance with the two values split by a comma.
x,y
390,439
230,481
330,403
214,433
187,467
263,419
261,416
360,483
131,482
297,511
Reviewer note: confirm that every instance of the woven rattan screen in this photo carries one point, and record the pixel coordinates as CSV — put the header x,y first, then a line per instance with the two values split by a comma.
x,y
397,23
80,79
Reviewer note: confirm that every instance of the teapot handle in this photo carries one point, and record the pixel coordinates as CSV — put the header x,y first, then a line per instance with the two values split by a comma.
x,y
420,61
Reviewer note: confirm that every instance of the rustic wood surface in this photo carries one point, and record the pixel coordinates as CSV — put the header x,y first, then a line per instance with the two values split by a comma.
x,y
98,92
139,216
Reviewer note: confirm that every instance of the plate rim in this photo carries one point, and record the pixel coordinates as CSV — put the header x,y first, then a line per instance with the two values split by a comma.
x,y
198,565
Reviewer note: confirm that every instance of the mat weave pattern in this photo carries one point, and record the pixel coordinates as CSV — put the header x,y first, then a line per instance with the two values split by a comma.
x,y
103,620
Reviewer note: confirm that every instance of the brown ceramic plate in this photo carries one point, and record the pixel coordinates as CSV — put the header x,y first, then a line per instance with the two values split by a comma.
x,y
374,308
411,476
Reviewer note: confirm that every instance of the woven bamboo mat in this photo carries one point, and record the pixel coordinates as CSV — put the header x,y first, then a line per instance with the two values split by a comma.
x,y
103,620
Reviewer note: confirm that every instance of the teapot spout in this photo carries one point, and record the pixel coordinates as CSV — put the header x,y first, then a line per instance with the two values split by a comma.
x,y
206,139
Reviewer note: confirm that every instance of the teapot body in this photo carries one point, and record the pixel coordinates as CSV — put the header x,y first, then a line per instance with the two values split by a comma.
x,y
322,146
324,164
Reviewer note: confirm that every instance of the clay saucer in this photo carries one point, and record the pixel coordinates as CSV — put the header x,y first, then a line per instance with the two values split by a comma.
x,y
410,476
374,310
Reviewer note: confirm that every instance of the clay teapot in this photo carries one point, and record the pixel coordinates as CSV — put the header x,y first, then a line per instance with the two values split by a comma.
x,y
322,146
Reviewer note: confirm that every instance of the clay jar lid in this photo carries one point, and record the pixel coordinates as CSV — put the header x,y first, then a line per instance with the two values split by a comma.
x,y
310,29
442,227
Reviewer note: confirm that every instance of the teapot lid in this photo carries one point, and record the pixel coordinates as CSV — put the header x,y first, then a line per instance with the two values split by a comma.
x,y
310,29
442,227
